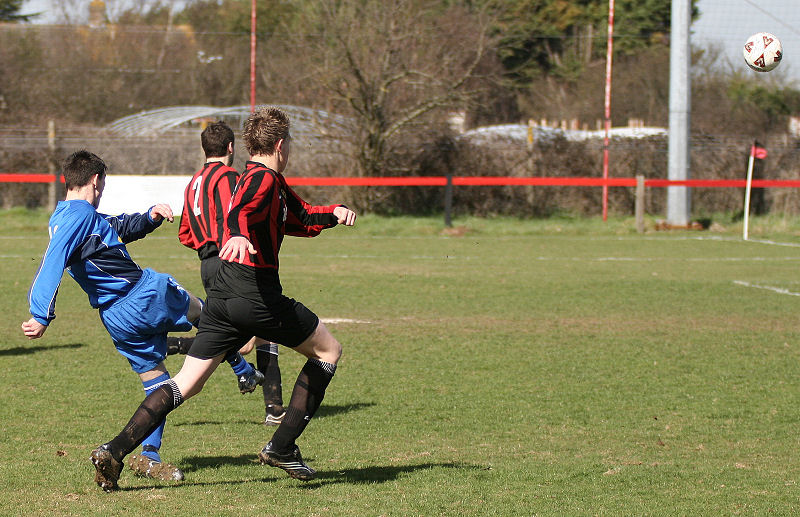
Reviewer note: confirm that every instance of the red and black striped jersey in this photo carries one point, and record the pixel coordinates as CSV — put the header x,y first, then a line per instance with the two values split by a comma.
x,y
205,203
264,209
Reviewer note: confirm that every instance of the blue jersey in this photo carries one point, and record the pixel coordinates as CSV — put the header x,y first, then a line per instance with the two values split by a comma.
x,y
91,247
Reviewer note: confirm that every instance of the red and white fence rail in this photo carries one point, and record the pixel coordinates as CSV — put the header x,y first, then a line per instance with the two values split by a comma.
x,y
130,193
486,181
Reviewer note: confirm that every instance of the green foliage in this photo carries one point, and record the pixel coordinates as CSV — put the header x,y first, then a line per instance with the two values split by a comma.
x,y
233,16
212,16
640,24
560,37
156,14
10,11
775,102
523,368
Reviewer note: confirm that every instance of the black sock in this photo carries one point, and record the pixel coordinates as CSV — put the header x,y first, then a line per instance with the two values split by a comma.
x,y
267,363
307,395
184,344
232,357
147,417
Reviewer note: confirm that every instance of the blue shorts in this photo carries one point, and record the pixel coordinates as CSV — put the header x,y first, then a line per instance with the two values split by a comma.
x,y
138,322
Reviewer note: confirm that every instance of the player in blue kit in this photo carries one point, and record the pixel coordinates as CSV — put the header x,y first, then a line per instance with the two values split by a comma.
x,y
137,307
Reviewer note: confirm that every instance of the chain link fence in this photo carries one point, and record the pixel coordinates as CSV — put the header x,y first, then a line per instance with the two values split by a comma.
x,y
177,152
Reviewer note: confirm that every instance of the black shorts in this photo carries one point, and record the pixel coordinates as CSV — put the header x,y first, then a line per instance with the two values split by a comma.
x,y
208,270
227,323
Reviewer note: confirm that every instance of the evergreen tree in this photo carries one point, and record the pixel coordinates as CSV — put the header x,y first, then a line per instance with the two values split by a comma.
x,y
560,37
9,11
233,16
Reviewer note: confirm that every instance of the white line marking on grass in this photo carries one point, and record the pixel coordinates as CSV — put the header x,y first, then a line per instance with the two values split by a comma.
x,y
669,259
190,258
736,239
342,320
710,238
776,243
43,236
779,290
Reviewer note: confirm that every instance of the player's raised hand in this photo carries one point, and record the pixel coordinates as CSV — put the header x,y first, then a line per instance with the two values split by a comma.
x,y
161,211
33,329
236,249
344,215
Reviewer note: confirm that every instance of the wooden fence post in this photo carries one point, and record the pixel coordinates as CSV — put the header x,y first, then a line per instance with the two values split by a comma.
x,y
639,209
54,190
448,200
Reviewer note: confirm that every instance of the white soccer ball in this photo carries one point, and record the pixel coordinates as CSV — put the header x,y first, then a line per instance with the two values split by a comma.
x,y
762,52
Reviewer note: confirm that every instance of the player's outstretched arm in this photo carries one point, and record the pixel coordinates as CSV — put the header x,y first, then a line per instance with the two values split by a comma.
x,y
33,329
161,211
236,249
344,215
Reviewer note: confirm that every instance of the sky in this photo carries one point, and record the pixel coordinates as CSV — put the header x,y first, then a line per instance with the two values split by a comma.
x,y
723,25
726,24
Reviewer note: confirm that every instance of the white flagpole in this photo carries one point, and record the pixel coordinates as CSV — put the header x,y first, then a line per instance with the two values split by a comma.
x,y
747,191
607,104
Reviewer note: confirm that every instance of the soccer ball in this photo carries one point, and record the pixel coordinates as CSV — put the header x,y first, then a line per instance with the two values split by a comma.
x,y
762,52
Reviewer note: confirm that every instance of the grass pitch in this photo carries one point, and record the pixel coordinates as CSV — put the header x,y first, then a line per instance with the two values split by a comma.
x,y
504,368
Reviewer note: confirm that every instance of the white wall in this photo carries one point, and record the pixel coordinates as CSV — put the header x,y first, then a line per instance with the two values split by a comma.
x,y
131,194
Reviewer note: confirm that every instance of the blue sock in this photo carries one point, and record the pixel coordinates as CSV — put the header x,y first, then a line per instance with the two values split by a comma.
x,y
239,365
152,443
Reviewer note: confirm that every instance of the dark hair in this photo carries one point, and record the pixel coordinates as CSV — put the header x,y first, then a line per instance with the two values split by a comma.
x,y
80,167
263,129
215,139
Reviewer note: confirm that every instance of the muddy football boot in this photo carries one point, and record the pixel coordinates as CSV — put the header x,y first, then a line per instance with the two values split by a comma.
x,y
108,469
146,467
291,461
248,383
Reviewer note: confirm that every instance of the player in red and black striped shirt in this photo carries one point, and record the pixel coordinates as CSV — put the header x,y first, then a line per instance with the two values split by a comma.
x,y
246,299
265,209
205,205
207,197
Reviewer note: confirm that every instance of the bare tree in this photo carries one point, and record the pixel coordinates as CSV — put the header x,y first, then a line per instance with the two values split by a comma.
x,y
392,68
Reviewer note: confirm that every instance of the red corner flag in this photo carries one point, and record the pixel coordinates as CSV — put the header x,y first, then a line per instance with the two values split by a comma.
x,y
758,152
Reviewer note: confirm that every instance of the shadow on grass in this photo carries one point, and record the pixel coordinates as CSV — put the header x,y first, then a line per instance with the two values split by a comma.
x,y
193,463
339,409
370,475
26,350
382,474
323,411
